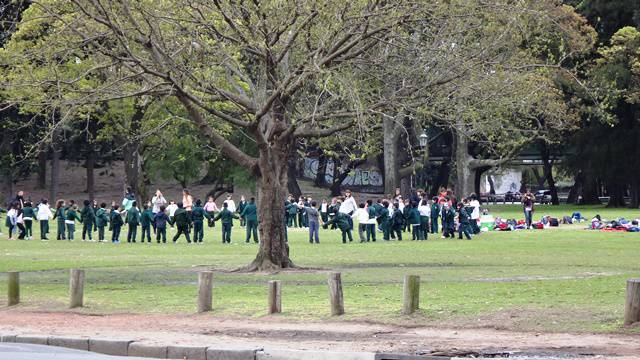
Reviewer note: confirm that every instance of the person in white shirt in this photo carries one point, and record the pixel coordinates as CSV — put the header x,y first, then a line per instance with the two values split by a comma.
x,y
348,206
362,215
157,201
171,209
425,215
43,215
231,205
324,211
12,219
475,213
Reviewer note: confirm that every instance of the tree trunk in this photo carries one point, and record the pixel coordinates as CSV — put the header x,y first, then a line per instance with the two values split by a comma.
x,y
90,163
635,195
390,145
442,179
465,177
590,192
292,181
478,178
547,168
320,179
572,198
55,170
273,166
616,196
42,168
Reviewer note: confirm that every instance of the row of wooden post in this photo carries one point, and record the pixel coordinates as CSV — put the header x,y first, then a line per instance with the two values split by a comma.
x,y
411,294
205,292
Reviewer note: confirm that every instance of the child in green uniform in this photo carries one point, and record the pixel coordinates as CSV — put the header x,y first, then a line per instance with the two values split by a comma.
x,y
250,215
88,217
60,214
226,218
182,220
102,219
116,223
71,216
342,221
160,221
133,220
198,214
397,221
413,218
27,217
463,221
385,220
435,215
448,221
146,219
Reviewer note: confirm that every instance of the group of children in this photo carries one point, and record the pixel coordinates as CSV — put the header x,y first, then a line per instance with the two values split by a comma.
x,y
158,214
392,216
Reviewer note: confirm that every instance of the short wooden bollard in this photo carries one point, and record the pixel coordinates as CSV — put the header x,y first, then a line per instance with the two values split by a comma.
x,y
13,289
76,288
411,294
335,294
632,305
205,287
275,297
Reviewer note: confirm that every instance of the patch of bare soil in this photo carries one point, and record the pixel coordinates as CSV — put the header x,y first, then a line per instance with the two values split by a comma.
x,y
274,332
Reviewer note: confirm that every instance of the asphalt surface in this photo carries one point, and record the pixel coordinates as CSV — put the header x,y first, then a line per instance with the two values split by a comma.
x,y
12,351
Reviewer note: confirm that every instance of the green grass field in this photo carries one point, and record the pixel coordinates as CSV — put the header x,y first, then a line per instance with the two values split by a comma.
x,y
565,279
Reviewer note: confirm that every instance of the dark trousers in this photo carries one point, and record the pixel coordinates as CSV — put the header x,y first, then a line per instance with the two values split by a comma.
x,y
386,232
115,235
132,233
146,229
475,229
243,222
28,228
371,232
226,233
424,226
198,231
44,229
324,216
182,229
416,232
71,228
464,229
61,228
362,229
210,221
101,233
292,220
314,232
398,233
434,224
252,228
87,228
448,230
11,227
23,231
161,232
301,220
345,234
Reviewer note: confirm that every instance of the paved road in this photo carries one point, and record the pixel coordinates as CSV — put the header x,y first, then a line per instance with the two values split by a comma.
x,y
11,351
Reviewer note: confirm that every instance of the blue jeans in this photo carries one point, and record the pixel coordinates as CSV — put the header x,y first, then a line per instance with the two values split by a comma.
x,y
528,217
314,232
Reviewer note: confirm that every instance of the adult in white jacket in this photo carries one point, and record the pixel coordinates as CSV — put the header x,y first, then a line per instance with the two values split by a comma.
x,y
43,215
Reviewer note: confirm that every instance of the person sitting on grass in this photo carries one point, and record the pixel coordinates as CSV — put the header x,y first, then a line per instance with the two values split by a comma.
x,y
342,222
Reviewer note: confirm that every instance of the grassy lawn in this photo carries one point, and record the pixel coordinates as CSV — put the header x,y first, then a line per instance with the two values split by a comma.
x,y
565,279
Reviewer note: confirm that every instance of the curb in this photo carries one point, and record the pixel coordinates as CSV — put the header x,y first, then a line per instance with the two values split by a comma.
x,y
120,347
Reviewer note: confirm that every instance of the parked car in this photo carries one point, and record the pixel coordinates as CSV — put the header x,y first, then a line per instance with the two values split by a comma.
x,y
512,196
543,196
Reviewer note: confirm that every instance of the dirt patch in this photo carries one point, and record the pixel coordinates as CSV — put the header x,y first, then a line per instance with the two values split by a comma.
x,y
274,332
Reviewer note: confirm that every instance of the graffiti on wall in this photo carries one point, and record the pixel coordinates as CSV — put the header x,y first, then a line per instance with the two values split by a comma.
x,y
358,178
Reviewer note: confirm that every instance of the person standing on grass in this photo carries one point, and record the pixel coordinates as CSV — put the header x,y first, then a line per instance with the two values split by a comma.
x,y
385,220
463,221
60,214
12,219
187,200
88,218
71,216
314,223
474,203
333,210
157,201
413,218
435,214
231,205
211,209
528,200
372,221
145,221
160,220
241,205
43,215
171,209
133,220
397,222
129,198
197,216
250,215
344,223
116,223
102,219
348,207
425,214
448,221
292,212
28,213
182,220
95,207
362,215
226,217
324,210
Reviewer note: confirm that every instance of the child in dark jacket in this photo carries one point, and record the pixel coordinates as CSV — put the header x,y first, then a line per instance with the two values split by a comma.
x,y
160,221
146,219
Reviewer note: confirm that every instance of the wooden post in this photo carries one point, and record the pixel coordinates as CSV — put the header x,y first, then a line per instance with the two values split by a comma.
x,y
205,286
411,294
335,294
76,288
14,288
275,297
632,305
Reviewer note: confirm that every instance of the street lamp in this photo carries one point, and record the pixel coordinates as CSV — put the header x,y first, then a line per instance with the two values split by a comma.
x,y
424,140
